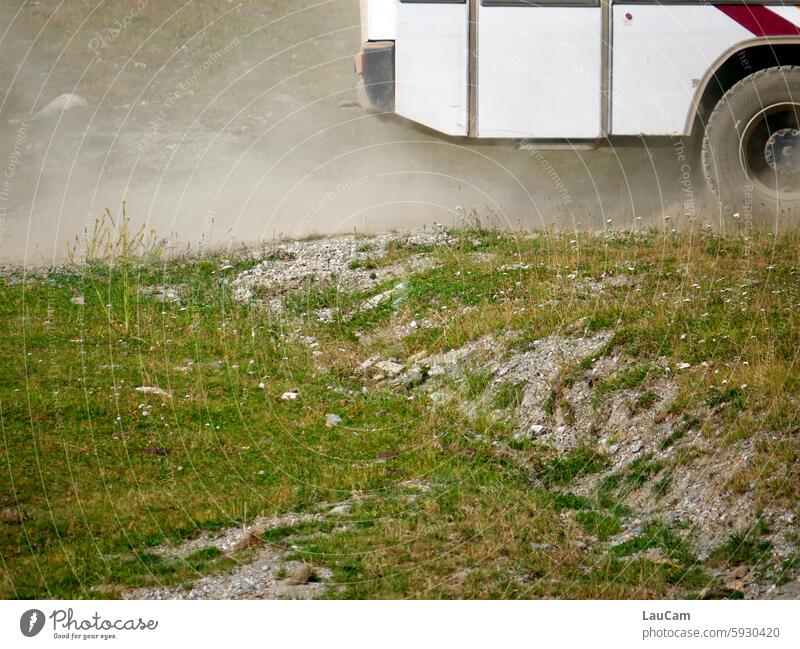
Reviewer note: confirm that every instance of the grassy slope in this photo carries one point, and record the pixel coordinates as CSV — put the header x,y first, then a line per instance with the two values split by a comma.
x,y
101,472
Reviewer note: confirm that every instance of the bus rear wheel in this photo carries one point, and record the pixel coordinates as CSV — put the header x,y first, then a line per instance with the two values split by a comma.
x,y
751,149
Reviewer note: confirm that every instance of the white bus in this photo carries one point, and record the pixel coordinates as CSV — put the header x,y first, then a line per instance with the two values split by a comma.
x,y
577,72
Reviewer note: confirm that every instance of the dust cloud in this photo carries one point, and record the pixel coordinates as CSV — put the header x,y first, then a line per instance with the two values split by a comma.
x,y
226,124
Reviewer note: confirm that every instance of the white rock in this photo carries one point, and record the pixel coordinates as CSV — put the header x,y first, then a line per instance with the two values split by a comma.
x,y
168,294
289,396
368,363
375,300
61,104
392,368
436,370
414,377
341,510
331,420
152,389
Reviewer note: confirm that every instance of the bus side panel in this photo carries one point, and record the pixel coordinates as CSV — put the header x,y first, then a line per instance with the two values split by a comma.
x,y
539,72
431,63
378,20
661,52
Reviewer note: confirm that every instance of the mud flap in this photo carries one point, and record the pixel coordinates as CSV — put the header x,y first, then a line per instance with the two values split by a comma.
x,y
375,64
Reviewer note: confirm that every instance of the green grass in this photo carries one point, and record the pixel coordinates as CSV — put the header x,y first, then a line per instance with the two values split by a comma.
x,y
626,379
600,525
656,536
733,396
661,485
642,469
678,431
563,470
102,474
744,547
788,569
509,395
645,401
477,382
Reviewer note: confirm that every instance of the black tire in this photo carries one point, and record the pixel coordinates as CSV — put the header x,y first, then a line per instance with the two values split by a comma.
x,y
740,163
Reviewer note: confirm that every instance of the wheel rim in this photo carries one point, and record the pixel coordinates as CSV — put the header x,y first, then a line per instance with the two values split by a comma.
x,y
769,149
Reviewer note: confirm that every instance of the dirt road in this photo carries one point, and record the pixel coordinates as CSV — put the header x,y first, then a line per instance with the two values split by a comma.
x,y
225,123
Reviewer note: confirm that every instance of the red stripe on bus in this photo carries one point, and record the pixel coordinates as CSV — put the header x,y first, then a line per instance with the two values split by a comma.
x,y
760,20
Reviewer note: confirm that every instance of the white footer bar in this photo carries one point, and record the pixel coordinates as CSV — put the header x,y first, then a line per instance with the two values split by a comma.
x,y
403,625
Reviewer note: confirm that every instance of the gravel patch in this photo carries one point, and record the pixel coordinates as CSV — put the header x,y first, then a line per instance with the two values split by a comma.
x,y
264,578
537,369
235,538
267,576
341,261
